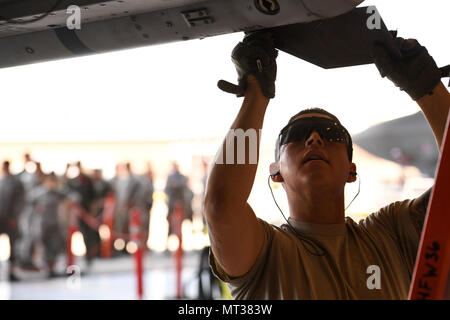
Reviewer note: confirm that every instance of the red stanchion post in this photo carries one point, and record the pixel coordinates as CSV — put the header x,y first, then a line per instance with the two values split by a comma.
x,y
136,236
108,221
177,216
72,228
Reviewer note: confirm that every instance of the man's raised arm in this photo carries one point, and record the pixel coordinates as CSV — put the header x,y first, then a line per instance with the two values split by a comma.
x,y
235,233
415,72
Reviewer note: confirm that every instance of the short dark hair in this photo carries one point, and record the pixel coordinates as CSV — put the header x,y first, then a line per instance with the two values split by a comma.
x,y
314,110
306,111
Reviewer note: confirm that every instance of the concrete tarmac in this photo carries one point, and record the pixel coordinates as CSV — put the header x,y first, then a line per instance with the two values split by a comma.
x,y
106,279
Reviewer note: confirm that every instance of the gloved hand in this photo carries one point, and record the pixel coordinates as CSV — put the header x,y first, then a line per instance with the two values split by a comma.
x,y
409,67
255,55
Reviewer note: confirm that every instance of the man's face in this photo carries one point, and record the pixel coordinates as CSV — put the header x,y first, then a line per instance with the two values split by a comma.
x,y
51,183
314,163
5,168
97,174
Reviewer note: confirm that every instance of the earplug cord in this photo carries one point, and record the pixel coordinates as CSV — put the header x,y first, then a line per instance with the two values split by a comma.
x,y
359,188
304,240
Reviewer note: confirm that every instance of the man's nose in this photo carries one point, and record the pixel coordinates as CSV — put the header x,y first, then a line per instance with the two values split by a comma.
x,y
314,138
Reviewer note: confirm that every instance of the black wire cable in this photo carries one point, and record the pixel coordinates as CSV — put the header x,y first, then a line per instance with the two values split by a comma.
x,y
303,239
12,21
359,189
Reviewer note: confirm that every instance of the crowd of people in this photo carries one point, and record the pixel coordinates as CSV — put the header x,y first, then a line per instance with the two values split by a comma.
x,y
36,208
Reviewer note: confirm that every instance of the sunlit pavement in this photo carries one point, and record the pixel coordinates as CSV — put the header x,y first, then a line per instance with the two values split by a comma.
x,y
111,279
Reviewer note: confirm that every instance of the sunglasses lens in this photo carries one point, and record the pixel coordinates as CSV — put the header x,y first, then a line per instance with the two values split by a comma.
x,y
301,129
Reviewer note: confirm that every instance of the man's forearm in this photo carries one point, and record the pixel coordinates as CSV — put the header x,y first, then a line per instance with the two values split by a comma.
x,y
435,108
231,183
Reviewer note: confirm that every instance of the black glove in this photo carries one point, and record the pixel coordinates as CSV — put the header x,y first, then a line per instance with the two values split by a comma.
x,y
409,67
255,55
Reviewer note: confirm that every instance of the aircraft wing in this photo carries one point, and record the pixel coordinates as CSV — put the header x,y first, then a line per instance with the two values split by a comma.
x,y
34,31
408,141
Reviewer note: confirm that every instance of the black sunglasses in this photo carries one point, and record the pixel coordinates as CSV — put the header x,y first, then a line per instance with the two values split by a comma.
x,y
328,129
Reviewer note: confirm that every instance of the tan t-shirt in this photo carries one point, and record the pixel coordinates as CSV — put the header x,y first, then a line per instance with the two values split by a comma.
x,y
287,268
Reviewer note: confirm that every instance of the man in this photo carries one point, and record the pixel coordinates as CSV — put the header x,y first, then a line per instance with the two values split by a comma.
x,y
31,177
119,184
319,254
139,194
147,189
47,203
11,205
177,191
125,185
81,186
101,189
144,198
27,178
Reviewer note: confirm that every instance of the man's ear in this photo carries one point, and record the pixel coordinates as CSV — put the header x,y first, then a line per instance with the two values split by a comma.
x,y
352,173
275,175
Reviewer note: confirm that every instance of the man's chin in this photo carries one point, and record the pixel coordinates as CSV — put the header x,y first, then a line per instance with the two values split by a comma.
x,y
315,179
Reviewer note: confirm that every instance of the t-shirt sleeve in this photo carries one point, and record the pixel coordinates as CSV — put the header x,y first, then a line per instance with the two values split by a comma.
x,y
395,221
239,286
